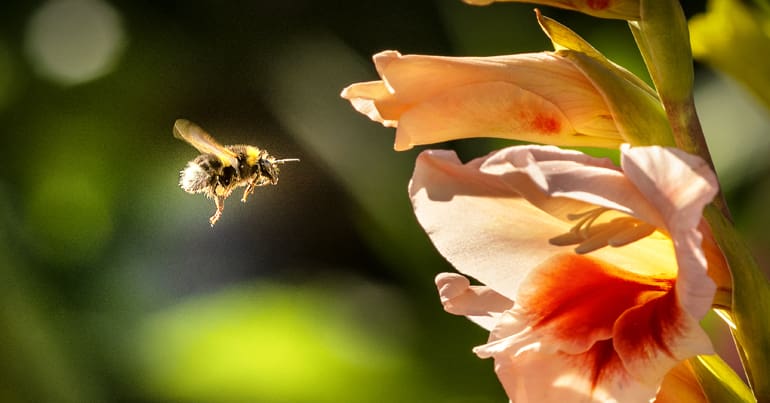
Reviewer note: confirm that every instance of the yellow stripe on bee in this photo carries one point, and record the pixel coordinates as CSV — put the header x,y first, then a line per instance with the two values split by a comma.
x,y
252,155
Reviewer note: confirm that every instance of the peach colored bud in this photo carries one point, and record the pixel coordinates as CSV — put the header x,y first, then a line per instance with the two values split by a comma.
x,y
537,97
617,9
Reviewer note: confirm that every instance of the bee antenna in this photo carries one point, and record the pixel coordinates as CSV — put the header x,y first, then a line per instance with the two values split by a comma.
x,y
281,161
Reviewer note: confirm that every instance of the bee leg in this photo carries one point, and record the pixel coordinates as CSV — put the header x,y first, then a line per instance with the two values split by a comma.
x,y
220,203
249,190
257,181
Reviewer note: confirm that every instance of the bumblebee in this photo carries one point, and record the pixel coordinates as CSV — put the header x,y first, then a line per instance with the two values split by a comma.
x,y
220,169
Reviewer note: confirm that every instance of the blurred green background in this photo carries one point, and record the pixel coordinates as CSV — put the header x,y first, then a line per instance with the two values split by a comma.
x,y
114,288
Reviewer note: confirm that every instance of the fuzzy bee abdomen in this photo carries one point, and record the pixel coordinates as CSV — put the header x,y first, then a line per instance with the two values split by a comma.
x,y
194,179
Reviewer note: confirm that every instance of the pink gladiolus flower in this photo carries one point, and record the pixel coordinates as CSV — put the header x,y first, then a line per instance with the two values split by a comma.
x,y
594,277
619,9
536,97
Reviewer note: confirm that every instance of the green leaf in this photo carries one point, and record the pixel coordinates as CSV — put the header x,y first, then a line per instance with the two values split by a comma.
x,y
718,381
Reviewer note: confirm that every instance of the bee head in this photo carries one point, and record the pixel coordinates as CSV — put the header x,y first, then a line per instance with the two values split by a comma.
x,y
269,166
269,169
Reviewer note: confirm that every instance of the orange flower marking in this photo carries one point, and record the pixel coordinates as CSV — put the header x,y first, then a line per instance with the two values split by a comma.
x,y
594,296
600,362
546,125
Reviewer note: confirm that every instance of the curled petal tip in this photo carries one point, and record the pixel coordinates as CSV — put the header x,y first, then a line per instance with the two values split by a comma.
x,y
451,285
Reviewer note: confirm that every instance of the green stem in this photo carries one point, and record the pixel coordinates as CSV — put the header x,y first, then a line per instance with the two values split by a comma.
x,y
688,135
750,305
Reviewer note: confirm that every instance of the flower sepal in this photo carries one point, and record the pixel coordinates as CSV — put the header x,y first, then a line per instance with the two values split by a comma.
x,y
664,42
635,107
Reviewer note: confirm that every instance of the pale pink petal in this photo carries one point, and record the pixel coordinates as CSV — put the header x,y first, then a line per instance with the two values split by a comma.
x,y
479,223
479,303
678,184
695,289
574,175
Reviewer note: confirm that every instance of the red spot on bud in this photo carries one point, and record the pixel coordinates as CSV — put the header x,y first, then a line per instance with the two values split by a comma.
x,y
546,125
598,4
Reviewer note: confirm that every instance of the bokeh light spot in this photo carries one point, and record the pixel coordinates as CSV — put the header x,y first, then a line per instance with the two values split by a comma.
x,y
74,41
258,343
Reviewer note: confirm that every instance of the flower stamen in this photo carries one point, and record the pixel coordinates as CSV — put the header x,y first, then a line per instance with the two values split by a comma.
x,y
589,236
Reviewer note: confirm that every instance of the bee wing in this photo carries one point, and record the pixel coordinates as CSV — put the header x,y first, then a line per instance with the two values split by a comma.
x,y
203,142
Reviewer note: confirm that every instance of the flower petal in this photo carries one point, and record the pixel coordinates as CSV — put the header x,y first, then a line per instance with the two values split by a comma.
x,y
680,191
652,338
490,223
480,304
367,98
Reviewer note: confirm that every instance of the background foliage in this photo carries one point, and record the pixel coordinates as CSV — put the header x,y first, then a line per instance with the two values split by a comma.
x,y
113,287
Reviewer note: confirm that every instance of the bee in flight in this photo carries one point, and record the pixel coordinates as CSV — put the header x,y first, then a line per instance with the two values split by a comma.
x,y
220,169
